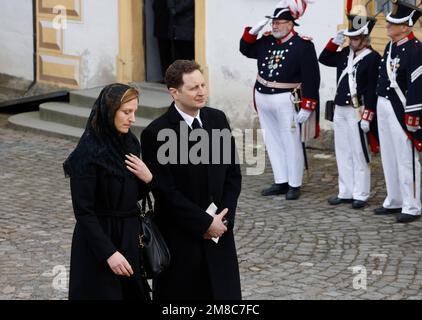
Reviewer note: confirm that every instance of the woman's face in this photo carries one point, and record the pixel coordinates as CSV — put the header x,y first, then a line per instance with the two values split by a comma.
x,y
125,116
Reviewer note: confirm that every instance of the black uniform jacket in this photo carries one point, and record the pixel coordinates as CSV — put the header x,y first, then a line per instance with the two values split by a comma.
x,y
290,61
366,73
406,59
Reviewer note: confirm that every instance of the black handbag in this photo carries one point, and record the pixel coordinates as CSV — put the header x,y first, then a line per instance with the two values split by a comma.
x,y
154,254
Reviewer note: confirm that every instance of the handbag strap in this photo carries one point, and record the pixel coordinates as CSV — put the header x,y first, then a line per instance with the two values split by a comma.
x,y
142,205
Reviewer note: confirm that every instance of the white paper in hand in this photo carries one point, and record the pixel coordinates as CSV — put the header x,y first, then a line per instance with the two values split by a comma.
x,y
211,210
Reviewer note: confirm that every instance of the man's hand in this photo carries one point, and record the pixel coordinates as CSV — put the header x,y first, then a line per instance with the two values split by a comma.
x,y
120,266
339,38
303,115
364,125
217,227
258,27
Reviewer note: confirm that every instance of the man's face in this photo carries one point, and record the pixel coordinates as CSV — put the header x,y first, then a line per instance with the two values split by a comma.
x,y
193,95
358,43
397,30
281,28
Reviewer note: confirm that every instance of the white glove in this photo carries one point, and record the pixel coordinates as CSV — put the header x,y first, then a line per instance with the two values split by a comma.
x,y
258,27
412,128
303,115
364,125
339,38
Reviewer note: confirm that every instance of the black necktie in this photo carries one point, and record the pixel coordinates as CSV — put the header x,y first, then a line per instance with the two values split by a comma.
x,y
195,124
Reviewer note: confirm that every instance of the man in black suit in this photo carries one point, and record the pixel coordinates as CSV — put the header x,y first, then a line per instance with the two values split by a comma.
x,y
200,268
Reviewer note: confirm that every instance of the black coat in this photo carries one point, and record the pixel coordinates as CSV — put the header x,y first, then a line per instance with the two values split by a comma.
x,y
161,19
106,221
184,192
181,19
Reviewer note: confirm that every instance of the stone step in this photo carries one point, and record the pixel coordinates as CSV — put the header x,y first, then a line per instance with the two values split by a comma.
x,y
76,116
30,121
69,119
154,99
67,123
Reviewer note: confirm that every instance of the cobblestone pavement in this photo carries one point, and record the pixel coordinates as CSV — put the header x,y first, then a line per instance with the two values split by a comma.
x,y
287,249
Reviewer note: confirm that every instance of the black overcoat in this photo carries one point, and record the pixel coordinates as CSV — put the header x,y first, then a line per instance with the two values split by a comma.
x,y
106,221
184,192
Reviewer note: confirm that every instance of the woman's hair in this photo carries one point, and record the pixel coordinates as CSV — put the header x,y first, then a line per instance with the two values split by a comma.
x,y
129,95
112,105
174,73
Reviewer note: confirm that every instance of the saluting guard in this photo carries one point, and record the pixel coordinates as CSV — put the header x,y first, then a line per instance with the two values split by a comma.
x,y
355,108
399,93
286,63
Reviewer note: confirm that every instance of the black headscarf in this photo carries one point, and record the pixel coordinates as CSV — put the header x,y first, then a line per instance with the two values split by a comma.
x,y
101,144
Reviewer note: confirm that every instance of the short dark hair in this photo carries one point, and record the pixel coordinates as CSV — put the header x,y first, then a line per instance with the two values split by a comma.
x,y
175,72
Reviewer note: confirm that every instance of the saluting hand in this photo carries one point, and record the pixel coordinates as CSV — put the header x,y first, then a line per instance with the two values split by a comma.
x,y
138,168
120,266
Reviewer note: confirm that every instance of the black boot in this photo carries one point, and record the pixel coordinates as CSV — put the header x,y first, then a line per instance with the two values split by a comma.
x,y
358,204
406,218
336,200
381,211
276,189
293,193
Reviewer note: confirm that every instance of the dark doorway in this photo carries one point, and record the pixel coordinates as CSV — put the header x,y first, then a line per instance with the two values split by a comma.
x,y
152,53
169,34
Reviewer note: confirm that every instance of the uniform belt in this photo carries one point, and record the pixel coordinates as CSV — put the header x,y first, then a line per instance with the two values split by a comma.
x,y
277,85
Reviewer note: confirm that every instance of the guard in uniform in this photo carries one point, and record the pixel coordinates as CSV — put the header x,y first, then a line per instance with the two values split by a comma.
x,y
399,91
357,73
287,63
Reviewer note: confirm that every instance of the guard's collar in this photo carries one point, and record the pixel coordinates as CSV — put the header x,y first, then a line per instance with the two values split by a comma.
x,y
406,39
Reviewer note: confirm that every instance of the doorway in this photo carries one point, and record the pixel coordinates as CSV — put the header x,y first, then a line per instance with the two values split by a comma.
x,y
152,53
179,48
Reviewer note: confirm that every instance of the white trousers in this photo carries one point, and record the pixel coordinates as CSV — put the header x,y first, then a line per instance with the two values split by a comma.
x,y
354,176
281,136
396,156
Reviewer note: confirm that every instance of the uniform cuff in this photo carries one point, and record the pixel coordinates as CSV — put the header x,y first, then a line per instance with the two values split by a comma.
x,y
412,120
368,115
309,104
247,37
331,46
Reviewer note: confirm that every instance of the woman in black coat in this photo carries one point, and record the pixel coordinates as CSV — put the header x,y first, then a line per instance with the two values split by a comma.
x,y
107,178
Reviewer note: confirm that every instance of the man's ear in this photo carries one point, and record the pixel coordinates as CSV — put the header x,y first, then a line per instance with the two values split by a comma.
x,y
173,92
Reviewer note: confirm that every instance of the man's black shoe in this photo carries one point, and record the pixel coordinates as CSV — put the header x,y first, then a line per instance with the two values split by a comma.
x,y
336,200
293,193
358,204
381,211
276,189
406,218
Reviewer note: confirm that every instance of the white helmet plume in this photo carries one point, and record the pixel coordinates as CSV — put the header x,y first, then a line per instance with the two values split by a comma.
x,y
297,7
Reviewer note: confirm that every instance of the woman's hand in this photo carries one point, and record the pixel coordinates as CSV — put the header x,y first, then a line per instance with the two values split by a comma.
x,y
119,264
138,168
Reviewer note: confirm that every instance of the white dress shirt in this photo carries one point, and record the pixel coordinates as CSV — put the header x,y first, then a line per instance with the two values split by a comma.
x,y
188,118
